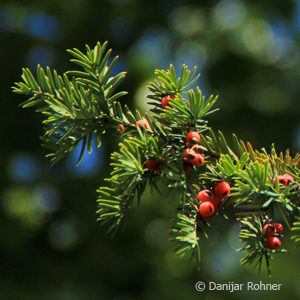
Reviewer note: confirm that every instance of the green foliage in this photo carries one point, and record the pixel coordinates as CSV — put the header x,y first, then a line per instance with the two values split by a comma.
x,y
184,232
85,106
74,109
167,82
127,176
182,112
296,231
189,112
97,70
255,243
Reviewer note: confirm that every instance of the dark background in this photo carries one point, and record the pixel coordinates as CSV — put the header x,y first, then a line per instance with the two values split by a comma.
x,y
51,246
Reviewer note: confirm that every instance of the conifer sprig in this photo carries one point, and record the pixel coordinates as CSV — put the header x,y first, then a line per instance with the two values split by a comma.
x,y
81,105
255,243
184,232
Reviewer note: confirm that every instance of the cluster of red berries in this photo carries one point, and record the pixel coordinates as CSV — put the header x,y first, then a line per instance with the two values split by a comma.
x,y
273,231
192,156
211,202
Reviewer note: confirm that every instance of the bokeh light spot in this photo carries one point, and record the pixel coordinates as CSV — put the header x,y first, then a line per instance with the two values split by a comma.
x,y
41,25
63,234
47,197
258,37
269,99
152,49
30,21
40,54
24,168
229,14
140,97
192,54
19,203
187,20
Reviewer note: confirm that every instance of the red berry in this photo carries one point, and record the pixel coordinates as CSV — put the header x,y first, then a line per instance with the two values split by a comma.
x,y
207,218
193,138
198,161
285,179
206,209
273,243
165,100
289,178
153,165
278,227
189,155
142,122
270,229
205,195
121,128
282,180
222,189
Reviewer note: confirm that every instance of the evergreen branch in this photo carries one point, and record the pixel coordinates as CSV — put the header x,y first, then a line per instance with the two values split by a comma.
x,y
152,146
218,143
181,112
77,109
191,111
97,70
167,82
73,114
255,243
126,176
183,231
129,176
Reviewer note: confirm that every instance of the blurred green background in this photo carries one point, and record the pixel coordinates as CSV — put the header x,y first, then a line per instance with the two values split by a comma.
x,y
50,244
